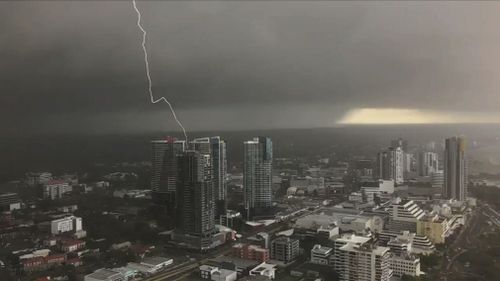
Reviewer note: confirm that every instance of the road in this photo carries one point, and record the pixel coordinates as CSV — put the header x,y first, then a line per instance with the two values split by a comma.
x,y
492,214
459,244
467,240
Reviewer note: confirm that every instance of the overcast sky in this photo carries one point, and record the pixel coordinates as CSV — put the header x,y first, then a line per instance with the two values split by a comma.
x,y
78,66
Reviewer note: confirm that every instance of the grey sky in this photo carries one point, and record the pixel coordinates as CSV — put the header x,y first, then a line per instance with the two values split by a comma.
x,y
226,65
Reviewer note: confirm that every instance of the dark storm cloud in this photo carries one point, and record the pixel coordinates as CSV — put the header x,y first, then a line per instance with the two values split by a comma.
x,y
243,64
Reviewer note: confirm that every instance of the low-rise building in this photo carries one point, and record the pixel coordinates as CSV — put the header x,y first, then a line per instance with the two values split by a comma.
x,y
9,202
104,274
405,264
264,269
150,265
68,208
326,233
251,252
435,227
321,255
261,239
66,224
404,215
128,273
284,249
241,266
224,275
42,262
206,271
144,269
55,189
157,263
71,245
417,244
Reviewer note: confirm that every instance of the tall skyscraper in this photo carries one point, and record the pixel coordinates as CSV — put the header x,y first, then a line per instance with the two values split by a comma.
x,y
257,175
164,170
407,156
400,143
195,199
427,163
390,165
455,169
216,148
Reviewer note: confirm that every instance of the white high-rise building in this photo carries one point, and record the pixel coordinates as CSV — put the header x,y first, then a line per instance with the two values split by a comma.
x,y
66,224
455,169
55,189
257,175
364,262
216,148
427,163
343,240
390,165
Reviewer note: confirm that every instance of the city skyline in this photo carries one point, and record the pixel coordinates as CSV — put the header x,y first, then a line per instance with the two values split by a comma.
x,y
148,140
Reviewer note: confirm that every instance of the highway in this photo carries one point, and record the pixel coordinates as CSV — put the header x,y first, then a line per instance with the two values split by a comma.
x,y
462,240
467,240
492,214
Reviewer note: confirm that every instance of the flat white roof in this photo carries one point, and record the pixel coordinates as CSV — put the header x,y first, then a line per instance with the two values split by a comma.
x,y
264,266
103,274
155,261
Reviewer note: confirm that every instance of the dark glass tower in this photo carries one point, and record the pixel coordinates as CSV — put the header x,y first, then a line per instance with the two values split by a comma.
x,y
455,169
195,198
164,171
257,175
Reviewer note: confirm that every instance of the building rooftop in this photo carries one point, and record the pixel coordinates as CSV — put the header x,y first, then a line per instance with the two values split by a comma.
x,y
377,250
288,233
354,238
139,267
52,182
7,194
70,242
155,261
321,249
263,267
254,278
238,262
103,274
223,273
205,267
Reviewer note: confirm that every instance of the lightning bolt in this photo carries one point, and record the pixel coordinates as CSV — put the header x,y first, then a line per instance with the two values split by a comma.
x,y
148,74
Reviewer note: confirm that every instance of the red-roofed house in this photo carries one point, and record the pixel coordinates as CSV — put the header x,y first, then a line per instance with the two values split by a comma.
x,y
32,263
37,263
55,259
71,245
